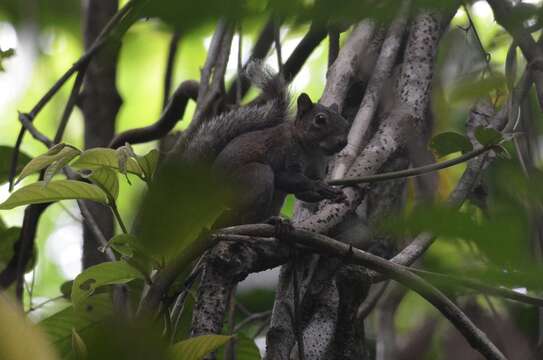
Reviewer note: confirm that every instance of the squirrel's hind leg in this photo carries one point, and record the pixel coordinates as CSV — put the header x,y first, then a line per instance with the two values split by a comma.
x,y
254,201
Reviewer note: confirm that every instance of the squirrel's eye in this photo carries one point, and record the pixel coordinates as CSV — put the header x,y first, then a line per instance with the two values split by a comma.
x,y
320,120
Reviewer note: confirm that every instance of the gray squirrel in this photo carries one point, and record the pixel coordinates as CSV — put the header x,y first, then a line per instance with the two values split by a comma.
x,y
266,153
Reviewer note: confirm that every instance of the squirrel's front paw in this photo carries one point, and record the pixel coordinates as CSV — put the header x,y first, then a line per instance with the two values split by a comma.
x,y
283,227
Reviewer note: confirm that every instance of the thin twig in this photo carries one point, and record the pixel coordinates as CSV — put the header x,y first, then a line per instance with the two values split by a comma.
x,y
251,319
371,301
81,62
36,134
170,65
95,228
70,105
42,304
414,171
115,210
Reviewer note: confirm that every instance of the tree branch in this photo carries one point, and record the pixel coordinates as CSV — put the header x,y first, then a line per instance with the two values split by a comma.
x,y
414,171
171,114
326,245
170,65
381,73
341,74
532,51
83,61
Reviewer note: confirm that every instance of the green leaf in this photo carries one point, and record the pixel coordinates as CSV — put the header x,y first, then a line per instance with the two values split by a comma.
x,y
61,152
38,193
122,243
502,152
245,349
488,136
106,179
198,347
103,274
19,338
181,202
450,142
78,346
56,166
59,326
148,163
6,153
104,157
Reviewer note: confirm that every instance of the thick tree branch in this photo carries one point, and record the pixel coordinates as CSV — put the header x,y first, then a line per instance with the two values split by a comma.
x,y
345,68
392,134
99,102
326,245
380,75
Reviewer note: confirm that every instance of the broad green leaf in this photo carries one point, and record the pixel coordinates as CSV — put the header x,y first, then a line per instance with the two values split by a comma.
x,y
198,347
66,289
245,349
106,179
182,201
59,153
148,163
59,326
38,193
57,166
104,157
502,237
6,153
103,274
19,338
78,346
488,136
122,243
450,142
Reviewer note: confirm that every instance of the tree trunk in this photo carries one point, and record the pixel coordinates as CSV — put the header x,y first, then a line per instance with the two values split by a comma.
x,y
99,102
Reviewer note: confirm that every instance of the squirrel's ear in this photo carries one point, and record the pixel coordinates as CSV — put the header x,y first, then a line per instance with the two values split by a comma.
x,y
334,107
304,103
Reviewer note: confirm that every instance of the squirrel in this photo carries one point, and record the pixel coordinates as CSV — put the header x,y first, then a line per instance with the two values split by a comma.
x,y
267,154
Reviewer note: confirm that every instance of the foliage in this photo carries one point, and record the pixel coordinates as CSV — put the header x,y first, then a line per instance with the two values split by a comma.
x,y
179,205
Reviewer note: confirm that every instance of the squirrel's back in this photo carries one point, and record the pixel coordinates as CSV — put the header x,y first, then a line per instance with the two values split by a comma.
x,y
214,134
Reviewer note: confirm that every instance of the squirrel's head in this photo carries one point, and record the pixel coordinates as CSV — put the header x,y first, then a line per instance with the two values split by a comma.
x,y
321,126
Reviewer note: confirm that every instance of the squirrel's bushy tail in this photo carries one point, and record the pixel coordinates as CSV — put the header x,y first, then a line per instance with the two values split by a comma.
x,y
273,86
269,110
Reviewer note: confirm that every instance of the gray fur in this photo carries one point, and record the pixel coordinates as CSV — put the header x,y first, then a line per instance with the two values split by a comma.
x,y
214,134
